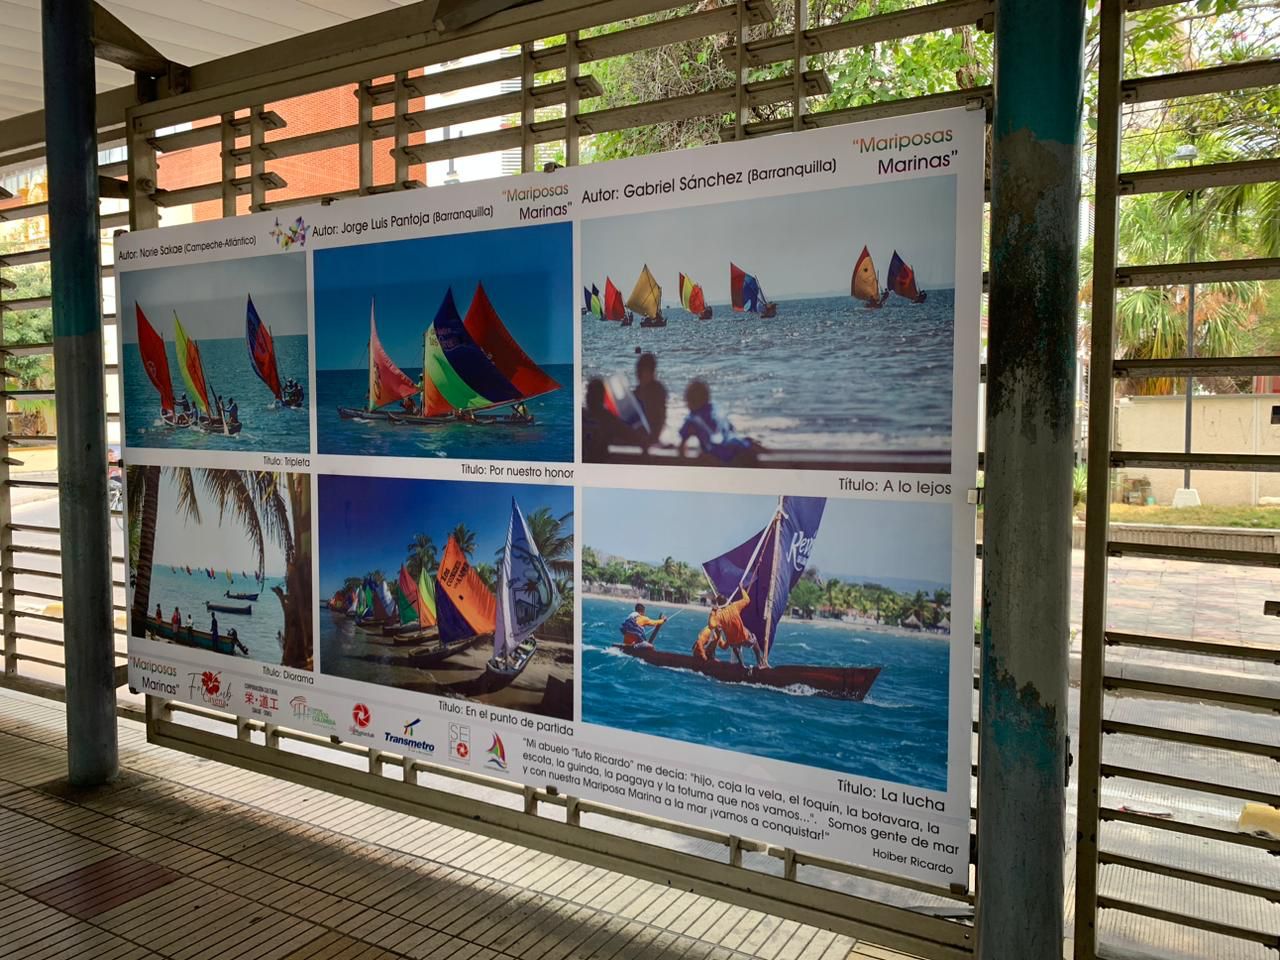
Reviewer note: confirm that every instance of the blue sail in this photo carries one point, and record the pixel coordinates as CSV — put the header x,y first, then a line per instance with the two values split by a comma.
x,y
470,362
770,564
751,293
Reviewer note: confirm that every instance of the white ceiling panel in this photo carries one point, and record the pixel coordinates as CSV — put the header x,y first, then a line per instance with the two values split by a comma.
x,y
186,31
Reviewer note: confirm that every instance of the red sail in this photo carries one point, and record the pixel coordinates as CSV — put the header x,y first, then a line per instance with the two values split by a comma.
x,y
613,306
154,359
902,279
737,276
486,329
387,382
697,302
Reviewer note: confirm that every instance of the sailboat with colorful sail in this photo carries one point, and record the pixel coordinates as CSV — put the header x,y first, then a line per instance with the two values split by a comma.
x,y
747,294
465,609
417,612
902,280
592,304
765,568
865,283
692,298
192,369
646,300
471,367
262,357
614,308
527,597
155,361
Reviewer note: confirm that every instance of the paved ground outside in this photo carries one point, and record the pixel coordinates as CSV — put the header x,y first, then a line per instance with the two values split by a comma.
x,y
185,858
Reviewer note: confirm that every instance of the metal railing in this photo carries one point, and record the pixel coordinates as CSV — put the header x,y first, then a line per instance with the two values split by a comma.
x,y
1103,790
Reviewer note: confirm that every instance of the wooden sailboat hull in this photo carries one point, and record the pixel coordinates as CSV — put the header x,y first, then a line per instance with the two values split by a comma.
x,y
406,419
239,596
653,322
837,683
508,673
705,314
442,652
243,610
770,310
200,639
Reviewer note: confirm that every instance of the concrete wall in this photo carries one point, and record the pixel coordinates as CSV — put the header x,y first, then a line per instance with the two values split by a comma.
x,y
1232,424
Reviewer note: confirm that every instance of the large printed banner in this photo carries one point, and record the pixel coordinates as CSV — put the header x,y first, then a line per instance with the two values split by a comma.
x,y
644,480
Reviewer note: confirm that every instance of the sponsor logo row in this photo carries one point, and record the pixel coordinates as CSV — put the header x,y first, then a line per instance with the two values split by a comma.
x,y
213,689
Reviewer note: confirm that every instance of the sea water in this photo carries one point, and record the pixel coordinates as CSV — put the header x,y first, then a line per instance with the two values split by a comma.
x,y
189,593
824,374
267,426
898,733
550,437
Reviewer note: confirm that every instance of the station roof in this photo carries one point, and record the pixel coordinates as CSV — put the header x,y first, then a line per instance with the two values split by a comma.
x,y
185,31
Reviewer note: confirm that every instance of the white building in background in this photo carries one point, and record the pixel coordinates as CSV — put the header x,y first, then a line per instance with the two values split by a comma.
x,y
497,163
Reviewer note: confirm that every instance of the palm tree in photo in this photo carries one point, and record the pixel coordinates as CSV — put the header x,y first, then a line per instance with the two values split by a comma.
x,y
268,507
553,537
466,538
422,556
488,574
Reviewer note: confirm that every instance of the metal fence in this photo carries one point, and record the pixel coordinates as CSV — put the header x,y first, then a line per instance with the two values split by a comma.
x,y
1194,863
542,54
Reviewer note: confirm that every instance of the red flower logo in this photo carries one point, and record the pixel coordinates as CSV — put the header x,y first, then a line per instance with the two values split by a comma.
x,y
212,682
462,750
361,715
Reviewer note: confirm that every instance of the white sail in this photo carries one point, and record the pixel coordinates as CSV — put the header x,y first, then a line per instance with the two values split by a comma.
x,y
527,594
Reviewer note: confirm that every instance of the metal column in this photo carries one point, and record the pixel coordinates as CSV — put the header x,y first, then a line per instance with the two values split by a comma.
x,y
1029,455
75,255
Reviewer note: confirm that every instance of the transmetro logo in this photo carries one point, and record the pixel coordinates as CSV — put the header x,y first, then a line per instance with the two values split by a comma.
x,y
408,727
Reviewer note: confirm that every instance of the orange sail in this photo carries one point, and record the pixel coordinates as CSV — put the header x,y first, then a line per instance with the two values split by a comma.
x,y
865,285
465,607
613,308
387,382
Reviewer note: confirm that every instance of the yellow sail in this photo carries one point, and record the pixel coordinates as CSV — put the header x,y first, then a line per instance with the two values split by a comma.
x,y
646,298
865,285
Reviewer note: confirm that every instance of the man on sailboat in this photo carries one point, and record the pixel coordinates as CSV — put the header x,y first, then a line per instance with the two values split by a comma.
x,y
726,627
632,628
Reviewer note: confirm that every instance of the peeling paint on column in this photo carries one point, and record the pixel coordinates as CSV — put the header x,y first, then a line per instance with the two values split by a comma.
x,y
1027,522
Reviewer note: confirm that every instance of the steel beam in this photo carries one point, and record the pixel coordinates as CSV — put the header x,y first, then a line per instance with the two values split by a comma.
x,y
1031,365
92,750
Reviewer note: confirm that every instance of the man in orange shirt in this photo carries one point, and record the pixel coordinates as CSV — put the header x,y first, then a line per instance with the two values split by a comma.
x,y
726,627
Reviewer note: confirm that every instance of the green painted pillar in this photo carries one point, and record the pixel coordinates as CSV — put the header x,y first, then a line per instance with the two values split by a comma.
x,y
72,151
1031,365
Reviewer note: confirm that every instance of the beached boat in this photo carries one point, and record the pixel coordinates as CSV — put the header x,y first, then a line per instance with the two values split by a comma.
x,y
262,357
527,597
417,613
646,300
200,639
747,294
465,608
240,596
379,609
244,610
902,280
155,362
865,283
470,367
692,298
769,565
614,309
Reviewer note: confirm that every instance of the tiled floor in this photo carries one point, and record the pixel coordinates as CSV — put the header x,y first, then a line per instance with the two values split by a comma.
x,y
193,860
